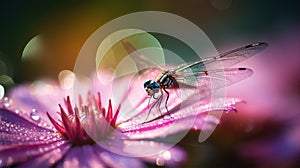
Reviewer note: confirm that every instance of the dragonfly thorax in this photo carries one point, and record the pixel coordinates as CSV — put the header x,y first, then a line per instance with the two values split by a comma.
x,y
151,87
167,80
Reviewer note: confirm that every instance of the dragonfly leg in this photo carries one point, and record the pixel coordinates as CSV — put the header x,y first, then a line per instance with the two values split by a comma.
x,y
156,103
149,100
159,104
151,107
166,102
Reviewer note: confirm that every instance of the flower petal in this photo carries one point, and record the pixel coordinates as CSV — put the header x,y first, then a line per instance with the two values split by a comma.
x,y
115,160
41,96
16,154
155,151
14,129
49,158
95,156
194,116
81,156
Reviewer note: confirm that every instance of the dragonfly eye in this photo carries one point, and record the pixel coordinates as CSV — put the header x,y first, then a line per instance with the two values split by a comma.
x,y
150,84
147,83
151,87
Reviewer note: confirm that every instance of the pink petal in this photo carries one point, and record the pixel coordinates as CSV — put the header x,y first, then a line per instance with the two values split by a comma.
x,y
115,160
49,158
192,116
153,151
18,130
81,156
42,96
16,154
95,156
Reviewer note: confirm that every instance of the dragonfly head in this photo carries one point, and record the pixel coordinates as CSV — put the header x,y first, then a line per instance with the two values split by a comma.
x,y
151,87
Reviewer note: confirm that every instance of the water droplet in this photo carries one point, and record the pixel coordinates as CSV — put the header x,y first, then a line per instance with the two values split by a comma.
x,y
167,117
167,155
160,162
195,128
6,102
34,115
17,111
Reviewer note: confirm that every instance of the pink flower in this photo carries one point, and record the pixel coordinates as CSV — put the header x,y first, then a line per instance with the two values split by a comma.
x,y
92,133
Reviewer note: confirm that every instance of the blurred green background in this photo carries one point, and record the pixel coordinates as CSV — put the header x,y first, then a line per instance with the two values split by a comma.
x,y
228,23
67,24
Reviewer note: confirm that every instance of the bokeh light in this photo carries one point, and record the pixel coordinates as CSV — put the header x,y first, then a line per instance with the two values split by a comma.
x,y
66,79
6,80
42,40
33,48
2,91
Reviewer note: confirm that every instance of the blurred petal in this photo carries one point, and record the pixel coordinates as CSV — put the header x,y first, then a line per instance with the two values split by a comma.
x,y
95,156
16,154
81,156
154,150
42,96
18,130
115,160
48,159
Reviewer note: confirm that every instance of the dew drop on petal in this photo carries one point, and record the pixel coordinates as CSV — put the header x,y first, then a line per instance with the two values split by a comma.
x,y
167,155
66,164
160,162
17,111
6,102
9,161
167,117
195,128
34,115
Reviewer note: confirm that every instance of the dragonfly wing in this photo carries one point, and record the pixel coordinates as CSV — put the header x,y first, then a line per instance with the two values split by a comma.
x,y
227,59
240,54
229,76
141,61
207,81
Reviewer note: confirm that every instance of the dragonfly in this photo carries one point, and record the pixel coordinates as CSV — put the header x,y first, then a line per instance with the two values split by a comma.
x,y
196,75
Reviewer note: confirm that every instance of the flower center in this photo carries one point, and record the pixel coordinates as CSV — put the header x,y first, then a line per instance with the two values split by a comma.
x,y
77,124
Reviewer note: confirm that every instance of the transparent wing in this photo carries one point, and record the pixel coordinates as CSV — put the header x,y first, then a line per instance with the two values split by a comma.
x,y
228,59
143,63
206,81
228,76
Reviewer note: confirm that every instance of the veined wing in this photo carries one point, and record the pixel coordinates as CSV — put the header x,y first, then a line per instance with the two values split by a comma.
x,y
228,59
213,79
143,63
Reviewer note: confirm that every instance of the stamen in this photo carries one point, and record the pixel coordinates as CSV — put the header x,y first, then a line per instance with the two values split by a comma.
x,y
58,127
67,123
74,127
69,106
109,111
114,120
